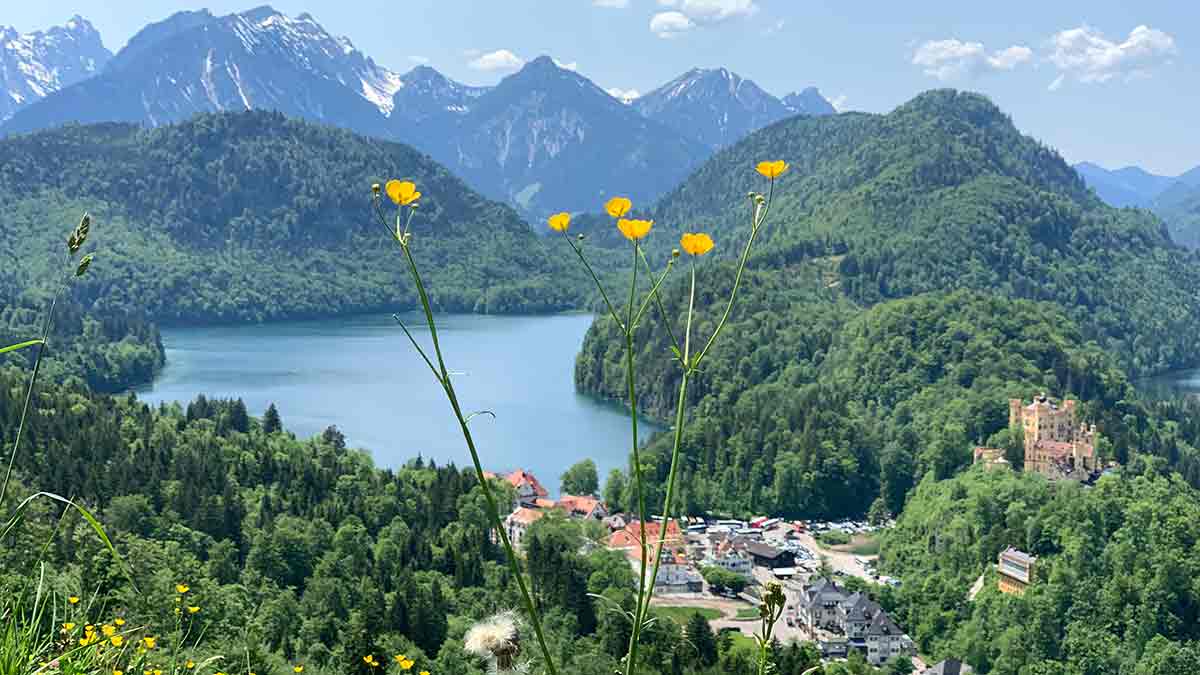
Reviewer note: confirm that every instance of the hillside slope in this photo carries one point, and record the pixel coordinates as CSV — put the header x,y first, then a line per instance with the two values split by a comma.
x,y
253,216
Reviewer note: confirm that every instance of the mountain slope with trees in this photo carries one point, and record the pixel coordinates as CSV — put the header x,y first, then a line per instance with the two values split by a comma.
x,y
251,216
919,269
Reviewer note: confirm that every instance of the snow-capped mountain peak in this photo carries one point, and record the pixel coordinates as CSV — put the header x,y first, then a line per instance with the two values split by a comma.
x,y
35,65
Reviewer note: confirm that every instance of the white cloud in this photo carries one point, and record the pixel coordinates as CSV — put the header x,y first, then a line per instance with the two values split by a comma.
x,y
712,11
1086,55
670,24
501,59
615,4
422,60
573,66
623,95
688,14
954,59
839,103
1007,59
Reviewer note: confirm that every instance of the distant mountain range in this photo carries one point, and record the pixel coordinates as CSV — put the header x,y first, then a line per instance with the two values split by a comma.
x,y
35,65
544,139
1175,198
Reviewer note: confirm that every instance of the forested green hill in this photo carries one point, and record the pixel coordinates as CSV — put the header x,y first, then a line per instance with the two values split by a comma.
x,y
919,269
253,216
945,193
1114,587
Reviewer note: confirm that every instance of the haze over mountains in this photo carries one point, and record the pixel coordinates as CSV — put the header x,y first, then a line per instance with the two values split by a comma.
x,y
544,139
1176,199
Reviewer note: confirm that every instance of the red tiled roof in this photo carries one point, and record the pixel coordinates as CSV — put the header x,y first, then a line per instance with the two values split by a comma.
x,y
629,538
526,516
520,476
577,504
544,503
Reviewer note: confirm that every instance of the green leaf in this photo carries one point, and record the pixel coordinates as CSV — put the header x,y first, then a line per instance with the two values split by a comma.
x,y
21,345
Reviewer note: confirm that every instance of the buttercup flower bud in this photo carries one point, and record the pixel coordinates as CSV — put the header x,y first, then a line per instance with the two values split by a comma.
x,y
674,253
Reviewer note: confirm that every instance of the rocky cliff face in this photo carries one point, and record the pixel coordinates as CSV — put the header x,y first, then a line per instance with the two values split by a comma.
x,y
35,65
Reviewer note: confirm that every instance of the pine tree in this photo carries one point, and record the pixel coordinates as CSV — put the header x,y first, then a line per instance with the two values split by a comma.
x,y
271,422
700,635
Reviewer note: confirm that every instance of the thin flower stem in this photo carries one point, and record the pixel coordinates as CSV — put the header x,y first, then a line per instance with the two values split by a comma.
x,y
432,368
662,311
653,293
677,442
493,508
757,220
33,377
630,373
611,310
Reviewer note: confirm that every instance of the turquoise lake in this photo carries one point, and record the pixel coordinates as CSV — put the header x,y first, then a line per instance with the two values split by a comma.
x,y
362,375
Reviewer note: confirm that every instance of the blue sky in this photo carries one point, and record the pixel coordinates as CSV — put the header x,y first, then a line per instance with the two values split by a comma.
x,y
1115,82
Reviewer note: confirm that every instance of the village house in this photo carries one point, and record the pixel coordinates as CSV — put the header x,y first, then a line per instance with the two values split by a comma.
x,y
728,553
628,539
1015,571
582,506
1057,445
766,555
863,623
518,522
529,490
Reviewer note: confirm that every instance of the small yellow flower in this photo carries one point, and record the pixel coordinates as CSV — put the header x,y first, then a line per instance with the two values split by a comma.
x,y
402,193
298,668
190,664
634,229
424,672
90,628
68,626
149,642
147,672
157,671
74,599
399,657
406,664
559,222
119,621
108,630
617,207
696,244
118,672
192,609
772,170
116,640
182,588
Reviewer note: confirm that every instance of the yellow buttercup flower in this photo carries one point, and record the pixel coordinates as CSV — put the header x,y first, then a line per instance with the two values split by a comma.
x,y
298,668
68,626
618,206
118,672
119,621
150,642
192,609
772,170
559,222
696,244
182,588
634,229
406,664
424,672
108,630
74,599
403,192
117,640
157,671
189,664
399,657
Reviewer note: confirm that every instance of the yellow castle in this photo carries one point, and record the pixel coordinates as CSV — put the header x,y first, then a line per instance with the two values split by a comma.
x,y
1056,445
